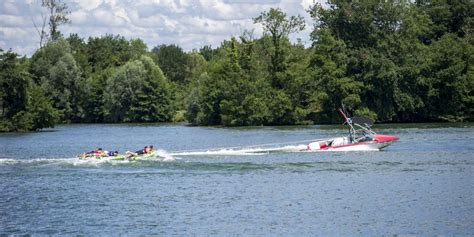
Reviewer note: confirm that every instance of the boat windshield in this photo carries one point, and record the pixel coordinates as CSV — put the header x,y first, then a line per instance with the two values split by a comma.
x,y
362,121
360,130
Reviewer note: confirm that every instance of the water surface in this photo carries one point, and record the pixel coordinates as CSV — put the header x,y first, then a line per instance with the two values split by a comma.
x,y
423,184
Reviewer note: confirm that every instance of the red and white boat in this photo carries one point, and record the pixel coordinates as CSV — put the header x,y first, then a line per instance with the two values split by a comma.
x,y
360,138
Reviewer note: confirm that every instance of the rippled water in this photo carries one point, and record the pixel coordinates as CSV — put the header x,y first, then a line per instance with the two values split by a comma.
x,y
423,184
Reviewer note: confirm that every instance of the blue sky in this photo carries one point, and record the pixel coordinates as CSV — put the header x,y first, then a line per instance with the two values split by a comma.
x,y
187,23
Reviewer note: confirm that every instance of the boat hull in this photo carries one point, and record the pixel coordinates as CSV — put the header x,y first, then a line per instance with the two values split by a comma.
x,y
378,142
364,146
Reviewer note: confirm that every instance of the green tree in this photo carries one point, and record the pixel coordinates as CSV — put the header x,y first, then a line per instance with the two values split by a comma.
x,y
448,16
331,86
235,94
38,113
112,51
446,83
195,67
137,48
278,27
409,54
208,52
103,56
399,51
54,68
365,75
214,96
93,93
14,84
63,87
299,84
24,106
202,108
58,12
138,92
79,52
172,60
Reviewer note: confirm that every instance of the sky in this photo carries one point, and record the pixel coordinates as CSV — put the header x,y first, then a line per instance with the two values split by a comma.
x,y
190,24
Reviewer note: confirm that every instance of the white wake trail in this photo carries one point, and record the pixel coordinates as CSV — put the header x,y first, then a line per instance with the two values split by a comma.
x,y
241,151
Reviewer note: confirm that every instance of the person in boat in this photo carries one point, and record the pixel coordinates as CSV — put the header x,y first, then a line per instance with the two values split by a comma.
x,y
143,151
112,153
147,149
97,152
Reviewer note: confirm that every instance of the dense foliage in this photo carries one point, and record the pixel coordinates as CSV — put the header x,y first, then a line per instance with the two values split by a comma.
x,y
138,92
392,61
23,103
398,61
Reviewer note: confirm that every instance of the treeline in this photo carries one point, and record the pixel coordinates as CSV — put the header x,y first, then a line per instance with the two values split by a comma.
x,y
392,61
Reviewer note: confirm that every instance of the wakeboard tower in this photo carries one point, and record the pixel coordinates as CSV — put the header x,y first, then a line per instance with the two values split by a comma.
x,y
360,137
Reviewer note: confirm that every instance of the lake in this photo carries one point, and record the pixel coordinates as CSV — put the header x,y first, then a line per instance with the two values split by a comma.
x,y
422,184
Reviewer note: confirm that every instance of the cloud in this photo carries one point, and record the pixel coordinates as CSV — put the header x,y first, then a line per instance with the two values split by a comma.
x,y
88,5
14,21
188,23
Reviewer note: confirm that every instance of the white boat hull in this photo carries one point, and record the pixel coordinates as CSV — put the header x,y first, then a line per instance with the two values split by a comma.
x,y
375,146
379,142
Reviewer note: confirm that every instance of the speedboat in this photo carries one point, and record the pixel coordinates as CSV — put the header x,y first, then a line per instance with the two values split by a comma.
x,y
360,138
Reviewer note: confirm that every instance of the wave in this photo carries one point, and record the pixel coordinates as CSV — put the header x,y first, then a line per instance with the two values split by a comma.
x,y
259,150
241,151
160,155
